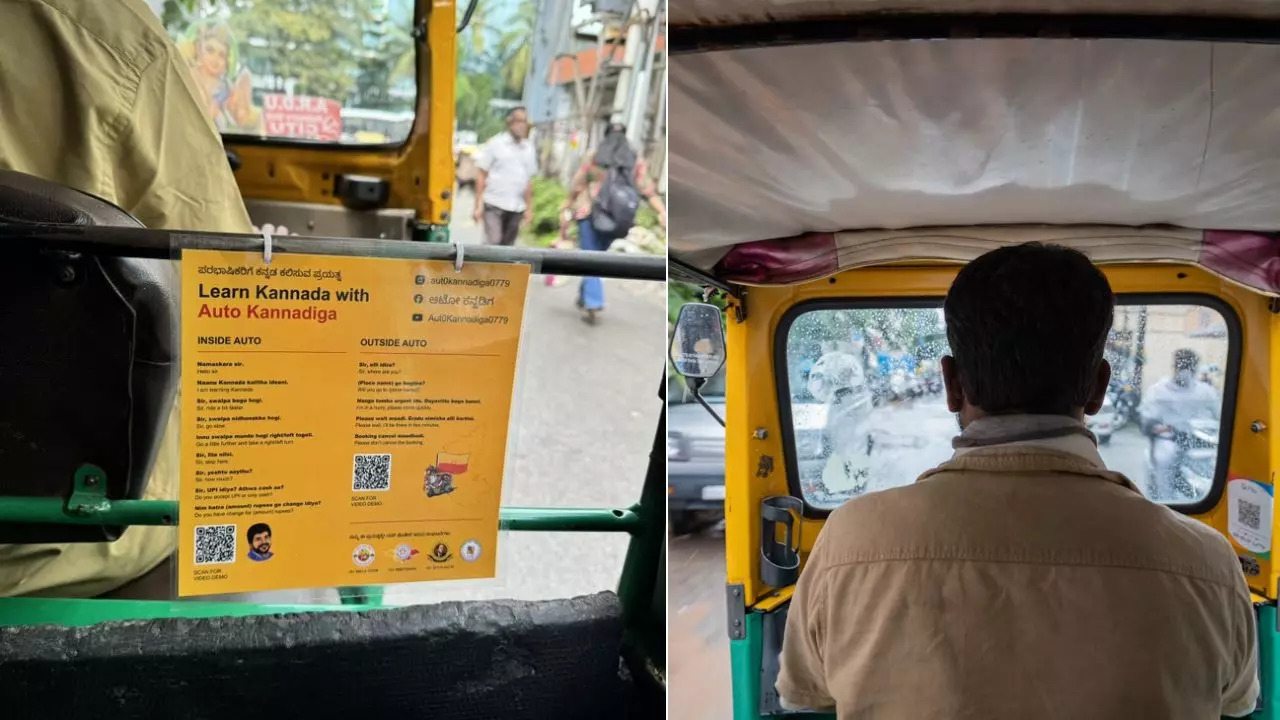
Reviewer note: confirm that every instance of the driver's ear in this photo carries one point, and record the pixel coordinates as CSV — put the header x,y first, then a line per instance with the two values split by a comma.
x,y
951,382
1099,394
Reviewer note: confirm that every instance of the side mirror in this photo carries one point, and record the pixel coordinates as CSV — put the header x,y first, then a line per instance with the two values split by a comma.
x,y
698,345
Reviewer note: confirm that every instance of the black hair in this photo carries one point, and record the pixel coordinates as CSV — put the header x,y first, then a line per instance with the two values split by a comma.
x,y
519,108
1027,325
256,528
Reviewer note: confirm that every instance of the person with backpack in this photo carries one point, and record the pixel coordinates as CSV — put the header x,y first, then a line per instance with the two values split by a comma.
x,y
604,198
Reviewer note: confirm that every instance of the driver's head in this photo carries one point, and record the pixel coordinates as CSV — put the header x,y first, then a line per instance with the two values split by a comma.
x,y
1185,363
260,538
1027,325
518,123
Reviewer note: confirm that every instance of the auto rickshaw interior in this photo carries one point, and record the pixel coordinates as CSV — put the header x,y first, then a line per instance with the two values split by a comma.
x,y
831,210
87,407
308,159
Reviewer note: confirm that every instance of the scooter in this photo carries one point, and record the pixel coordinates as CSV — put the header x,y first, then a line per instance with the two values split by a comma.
x,y
1194,464
1126,399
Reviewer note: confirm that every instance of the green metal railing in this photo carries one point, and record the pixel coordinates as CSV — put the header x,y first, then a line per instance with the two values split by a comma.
x,y
165,512
640,587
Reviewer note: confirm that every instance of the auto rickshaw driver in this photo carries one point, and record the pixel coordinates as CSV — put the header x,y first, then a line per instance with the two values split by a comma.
x,y
104,103
1021,578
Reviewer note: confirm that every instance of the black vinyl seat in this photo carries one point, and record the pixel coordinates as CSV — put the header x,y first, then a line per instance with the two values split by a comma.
x,y
88,358
453,661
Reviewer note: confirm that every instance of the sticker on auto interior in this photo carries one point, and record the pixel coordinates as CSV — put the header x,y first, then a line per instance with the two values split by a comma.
x,y
1249,506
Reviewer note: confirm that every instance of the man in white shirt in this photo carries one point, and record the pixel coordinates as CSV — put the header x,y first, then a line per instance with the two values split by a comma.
x,y
504,185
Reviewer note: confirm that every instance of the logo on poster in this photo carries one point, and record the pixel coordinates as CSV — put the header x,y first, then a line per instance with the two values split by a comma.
x,y
470,551
362,555
441,553
404,552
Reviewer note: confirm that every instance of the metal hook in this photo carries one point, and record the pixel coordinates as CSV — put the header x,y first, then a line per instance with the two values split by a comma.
x,y
457,258
266,244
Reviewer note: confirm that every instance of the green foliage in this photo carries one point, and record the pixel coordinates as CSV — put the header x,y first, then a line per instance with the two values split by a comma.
x,y
647,218
514,48
352,51
387,59
473,93
548,198
679,293
320,43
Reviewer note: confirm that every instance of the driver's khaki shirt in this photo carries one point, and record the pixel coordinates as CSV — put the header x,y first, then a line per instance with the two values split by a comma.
x,y
1019,582
94,95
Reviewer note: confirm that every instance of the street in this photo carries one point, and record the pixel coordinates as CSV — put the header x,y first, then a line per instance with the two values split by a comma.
x,y
915,435
585,411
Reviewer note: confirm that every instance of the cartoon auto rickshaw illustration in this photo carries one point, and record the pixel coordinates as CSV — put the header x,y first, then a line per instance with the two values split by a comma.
x,y
438,479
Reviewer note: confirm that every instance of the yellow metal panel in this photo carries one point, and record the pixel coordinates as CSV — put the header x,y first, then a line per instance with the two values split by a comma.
x,y
442,63
420,171
775,599
752,392
1270,569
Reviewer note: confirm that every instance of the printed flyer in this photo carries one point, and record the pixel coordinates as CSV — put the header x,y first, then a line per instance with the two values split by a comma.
x,y
344,420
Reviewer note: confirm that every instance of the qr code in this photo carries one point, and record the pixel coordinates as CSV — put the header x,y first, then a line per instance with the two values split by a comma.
x,y
215,544
371,472
1250,514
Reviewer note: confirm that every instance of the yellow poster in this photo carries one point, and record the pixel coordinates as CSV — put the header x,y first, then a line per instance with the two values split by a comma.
x,y
344,420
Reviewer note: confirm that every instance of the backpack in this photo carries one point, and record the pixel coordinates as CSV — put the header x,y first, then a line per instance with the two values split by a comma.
x,y
614,210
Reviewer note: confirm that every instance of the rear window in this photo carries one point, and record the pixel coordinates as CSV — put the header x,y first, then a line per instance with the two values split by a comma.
x,y
340,71
864,405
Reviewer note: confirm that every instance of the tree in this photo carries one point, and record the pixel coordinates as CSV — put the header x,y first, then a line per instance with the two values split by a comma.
x,y
473,93
516,47
473,44
338,49
316,43
388,59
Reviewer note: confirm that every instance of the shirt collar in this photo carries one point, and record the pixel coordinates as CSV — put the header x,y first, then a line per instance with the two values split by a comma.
x,y
1052,432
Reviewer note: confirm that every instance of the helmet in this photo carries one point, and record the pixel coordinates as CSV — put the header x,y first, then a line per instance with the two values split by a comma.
x,y
833,372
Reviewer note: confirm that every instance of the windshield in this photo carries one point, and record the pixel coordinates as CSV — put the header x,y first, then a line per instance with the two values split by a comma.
x,y
868,412
335,71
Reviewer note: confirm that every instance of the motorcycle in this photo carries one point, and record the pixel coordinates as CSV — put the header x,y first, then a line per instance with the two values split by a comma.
x,y
904,386
1194,463
1126,399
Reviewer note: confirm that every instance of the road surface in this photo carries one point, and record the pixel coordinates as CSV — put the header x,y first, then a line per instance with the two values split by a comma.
x,y
698,673
585,411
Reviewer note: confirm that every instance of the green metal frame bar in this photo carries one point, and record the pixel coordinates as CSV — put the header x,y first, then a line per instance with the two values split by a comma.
x,y
1268,671
165,512
645,635
20,611
744,663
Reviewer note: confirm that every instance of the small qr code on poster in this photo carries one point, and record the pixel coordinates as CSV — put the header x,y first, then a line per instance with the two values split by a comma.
x,y
371,472
215,544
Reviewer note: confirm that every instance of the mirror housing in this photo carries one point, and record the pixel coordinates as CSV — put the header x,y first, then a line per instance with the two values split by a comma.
x,y
698,344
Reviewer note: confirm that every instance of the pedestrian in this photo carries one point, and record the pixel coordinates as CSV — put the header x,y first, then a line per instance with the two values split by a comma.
x,y
504,181
608,216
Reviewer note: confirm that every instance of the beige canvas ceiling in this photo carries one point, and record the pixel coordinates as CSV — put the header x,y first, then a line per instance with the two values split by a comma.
x,y
732,12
